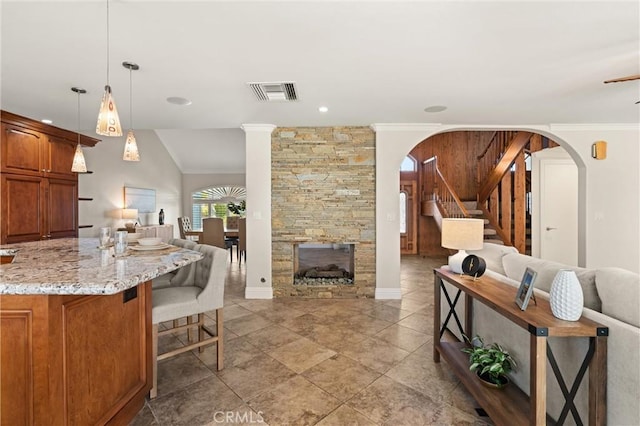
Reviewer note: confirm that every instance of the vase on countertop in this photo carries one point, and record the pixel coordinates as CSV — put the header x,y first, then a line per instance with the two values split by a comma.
x,y
566,298
161,217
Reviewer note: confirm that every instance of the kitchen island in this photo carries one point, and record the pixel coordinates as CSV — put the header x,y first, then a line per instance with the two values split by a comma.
x,y
75,331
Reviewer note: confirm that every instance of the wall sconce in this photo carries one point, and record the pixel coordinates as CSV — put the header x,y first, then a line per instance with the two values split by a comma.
x,y
599,150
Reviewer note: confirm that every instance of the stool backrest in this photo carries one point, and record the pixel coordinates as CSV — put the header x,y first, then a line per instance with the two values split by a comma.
x,y
210,276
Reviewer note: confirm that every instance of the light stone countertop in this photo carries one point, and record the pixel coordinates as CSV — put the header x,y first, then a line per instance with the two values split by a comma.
x,y
78,266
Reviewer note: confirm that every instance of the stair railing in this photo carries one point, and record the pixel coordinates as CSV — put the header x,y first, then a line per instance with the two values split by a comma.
x,y
502,193
492,154
437,188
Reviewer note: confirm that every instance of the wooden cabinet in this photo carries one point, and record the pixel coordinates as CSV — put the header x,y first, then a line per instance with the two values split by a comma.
x,y
39,192
161,231
75,359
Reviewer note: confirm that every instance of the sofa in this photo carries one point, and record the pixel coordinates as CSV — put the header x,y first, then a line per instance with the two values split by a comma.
x,y
611,297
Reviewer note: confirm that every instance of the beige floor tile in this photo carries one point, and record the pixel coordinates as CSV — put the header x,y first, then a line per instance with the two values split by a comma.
x,y
179,371
255,376
301,354
272,337
247,324
390,403
403,337
341,376
345,415
418,322
294,402
386,313
375,354
419,372
235,351
196,404
361,323
407,304
231,312
280,313
332,337
303,324
145,418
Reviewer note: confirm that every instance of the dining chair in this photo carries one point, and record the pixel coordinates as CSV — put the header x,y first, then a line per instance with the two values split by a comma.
x,y
186,232
213,234
242,239
206,293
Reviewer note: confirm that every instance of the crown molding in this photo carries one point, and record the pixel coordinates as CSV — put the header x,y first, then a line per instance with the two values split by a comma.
x,y
593,126
258,127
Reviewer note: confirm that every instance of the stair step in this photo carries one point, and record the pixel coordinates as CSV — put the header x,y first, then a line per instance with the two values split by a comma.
x,y
473,212
489,231
493,241
470,205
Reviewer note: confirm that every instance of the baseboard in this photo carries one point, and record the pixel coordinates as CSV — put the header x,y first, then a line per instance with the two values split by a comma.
x,y
389,293
258,293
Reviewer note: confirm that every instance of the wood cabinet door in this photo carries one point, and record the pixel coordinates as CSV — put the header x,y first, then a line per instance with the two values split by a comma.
x,y
58,155
23,208
21,150
62,208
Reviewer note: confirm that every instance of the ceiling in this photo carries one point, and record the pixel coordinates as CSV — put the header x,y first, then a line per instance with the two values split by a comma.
x,y
505,62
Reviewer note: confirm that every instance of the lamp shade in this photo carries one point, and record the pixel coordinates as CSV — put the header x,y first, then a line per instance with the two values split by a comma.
x,y
462,234
78,165
131,148
108,119
129,213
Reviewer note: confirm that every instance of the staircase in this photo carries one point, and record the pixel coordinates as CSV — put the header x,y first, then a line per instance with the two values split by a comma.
x,y
490,234
504,188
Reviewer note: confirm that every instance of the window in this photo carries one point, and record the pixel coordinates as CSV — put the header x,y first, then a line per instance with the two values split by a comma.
x,y
408,164
212,202
403,212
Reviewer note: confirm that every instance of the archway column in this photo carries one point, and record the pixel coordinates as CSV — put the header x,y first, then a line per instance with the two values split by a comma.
x,y
258,182
393,143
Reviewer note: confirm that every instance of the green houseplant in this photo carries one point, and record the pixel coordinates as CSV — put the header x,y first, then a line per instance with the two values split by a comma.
x,y
491,363
237,208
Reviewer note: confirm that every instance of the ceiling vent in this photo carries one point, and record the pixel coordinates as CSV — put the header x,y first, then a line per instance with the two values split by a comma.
x,y
275,91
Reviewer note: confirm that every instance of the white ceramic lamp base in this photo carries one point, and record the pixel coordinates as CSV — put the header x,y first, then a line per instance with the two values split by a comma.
x,y
455,261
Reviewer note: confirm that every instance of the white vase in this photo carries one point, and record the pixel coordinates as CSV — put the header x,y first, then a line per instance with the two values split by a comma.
x,y
566,296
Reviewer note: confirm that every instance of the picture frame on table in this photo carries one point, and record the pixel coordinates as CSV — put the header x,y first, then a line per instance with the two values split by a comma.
x,y
525,291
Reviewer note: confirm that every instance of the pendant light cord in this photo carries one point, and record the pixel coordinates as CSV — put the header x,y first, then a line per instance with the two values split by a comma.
x,y
130,99
78,117
107,42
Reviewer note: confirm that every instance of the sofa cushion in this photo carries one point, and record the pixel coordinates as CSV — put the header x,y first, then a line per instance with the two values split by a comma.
x,y
619,291
492,255
516,263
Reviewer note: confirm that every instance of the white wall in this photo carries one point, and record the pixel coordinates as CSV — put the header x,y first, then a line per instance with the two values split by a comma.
x,y
197,182
609,197
156,170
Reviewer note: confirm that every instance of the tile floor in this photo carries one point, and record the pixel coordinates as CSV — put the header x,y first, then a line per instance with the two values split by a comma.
x,y
310,361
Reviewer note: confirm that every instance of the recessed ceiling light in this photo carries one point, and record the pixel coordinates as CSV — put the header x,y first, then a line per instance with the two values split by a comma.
x,y
176,100
323,109
47,121
435,108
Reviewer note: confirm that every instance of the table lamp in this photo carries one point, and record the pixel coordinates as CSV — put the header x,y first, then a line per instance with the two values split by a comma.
x,y
130,214
461,234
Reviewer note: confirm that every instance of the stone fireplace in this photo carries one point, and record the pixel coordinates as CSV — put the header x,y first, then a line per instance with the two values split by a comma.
x,y
323,196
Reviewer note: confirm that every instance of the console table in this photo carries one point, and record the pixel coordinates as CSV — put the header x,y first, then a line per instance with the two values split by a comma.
x,y
511,406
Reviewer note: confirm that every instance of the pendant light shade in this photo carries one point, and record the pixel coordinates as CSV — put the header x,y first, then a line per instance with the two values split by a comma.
x,y
130,146
108,120
79,165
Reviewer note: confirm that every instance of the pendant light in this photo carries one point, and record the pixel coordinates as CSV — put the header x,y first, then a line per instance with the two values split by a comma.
x,y
130,146
79,165
108,120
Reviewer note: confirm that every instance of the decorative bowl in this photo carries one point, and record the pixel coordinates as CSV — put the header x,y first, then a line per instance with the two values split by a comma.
x,y
149,241
133,236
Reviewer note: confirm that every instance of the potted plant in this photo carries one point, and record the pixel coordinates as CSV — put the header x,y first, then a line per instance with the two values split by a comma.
x,y
237,208
491,363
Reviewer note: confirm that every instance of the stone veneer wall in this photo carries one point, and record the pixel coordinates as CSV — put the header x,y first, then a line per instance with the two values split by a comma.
x,y
323,191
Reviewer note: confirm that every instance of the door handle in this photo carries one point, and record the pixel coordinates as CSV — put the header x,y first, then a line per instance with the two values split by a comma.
x,y
550,229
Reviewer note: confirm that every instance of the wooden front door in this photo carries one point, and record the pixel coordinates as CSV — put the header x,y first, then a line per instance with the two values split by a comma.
x,y
408,218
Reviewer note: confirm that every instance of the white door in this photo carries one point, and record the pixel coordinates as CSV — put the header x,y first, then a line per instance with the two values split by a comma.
x,y
557,230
